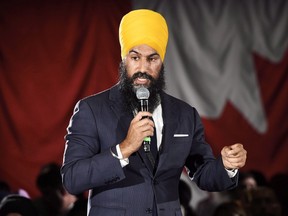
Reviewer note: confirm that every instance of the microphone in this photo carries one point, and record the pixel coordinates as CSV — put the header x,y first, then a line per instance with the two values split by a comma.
x,y
143,94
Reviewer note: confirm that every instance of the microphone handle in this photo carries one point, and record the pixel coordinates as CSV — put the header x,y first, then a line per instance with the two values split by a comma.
x,y
147,140
147,144
144,105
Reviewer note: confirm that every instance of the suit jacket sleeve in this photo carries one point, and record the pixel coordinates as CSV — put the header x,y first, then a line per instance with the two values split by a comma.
x,y
208,173
86,164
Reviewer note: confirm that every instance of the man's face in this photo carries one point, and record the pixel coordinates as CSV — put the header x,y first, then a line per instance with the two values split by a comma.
x,y
141,63
141,66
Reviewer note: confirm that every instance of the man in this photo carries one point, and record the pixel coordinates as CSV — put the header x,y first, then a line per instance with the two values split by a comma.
x,y
104,149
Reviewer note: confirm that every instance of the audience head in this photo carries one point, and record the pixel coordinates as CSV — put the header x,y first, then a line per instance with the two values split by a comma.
x,y
54,196
4,189
247,181
49,179
261,201
230,209
17,205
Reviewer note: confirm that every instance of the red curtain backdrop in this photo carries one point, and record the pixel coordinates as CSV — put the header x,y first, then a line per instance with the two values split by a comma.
x,y
53,53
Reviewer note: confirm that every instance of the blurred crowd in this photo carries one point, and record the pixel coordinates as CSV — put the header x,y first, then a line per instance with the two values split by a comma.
x,y
54,200
254,196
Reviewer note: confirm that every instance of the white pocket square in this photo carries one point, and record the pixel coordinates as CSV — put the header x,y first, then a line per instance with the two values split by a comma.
x,y
181,135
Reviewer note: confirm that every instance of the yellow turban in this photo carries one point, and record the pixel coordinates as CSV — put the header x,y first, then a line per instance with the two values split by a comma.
x,y
143,27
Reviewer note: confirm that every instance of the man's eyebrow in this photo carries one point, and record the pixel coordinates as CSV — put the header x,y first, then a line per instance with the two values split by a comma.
x,y
153,54
133,51
149,56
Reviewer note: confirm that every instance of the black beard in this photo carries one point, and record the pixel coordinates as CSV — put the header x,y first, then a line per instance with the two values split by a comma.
x,y
128,89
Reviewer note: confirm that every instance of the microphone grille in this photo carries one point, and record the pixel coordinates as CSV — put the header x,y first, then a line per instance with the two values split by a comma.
x,y
142,93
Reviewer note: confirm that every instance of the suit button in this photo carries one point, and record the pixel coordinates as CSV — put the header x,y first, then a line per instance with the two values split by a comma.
x,y
148,211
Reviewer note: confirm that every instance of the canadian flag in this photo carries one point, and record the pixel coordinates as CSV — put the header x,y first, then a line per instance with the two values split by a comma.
x,y
229,60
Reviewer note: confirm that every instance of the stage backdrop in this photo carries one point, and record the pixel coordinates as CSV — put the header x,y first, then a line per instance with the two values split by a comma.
x,y
229,59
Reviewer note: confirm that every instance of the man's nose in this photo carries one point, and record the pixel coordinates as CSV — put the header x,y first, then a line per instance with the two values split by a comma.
x,y
145,65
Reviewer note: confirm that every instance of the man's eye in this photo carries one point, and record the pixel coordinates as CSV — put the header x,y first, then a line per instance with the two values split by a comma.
x,y
135,58
152,59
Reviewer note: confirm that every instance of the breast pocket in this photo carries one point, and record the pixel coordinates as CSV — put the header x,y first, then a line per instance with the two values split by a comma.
x,y
182,144
178,151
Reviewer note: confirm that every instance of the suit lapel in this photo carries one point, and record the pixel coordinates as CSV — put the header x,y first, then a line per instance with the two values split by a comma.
x,y
170,120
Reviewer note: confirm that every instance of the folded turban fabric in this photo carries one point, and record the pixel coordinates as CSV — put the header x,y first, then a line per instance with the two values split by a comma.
x,y
143,27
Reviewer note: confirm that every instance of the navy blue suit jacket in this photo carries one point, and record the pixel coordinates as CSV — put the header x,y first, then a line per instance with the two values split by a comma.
x,y
100,122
